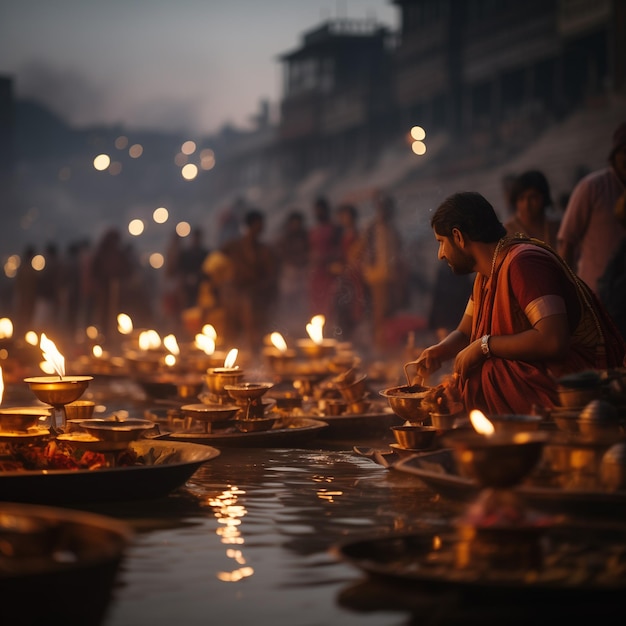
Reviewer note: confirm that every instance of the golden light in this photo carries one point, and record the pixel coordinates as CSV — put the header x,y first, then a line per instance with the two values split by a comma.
x,y
205,343
135,151
124,324
170,360
183,229
231,357
480,423
97,351
136,227
91,332
121,142
38,262
418,147
418,133
169,341
156,260
31,338
278,341
315,328
160,215
101,162
1,385
6,328
209,331
189,147
51,355
149,340
189,171
11,266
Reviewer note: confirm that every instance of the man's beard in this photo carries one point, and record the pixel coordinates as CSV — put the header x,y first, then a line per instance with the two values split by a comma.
x,y
460,262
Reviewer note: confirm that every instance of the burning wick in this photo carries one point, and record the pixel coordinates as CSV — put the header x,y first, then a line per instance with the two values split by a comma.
x,y
481,424
231,357
315,328
52,356
278,342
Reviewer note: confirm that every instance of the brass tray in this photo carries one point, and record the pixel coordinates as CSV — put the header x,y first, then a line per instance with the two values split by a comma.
x,y
438,470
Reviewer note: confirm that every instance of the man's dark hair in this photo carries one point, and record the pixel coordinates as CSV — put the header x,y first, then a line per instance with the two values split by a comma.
x,y
472,214
253,216
532,179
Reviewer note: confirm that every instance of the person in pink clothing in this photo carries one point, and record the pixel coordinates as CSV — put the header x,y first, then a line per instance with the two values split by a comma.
x,y
590,233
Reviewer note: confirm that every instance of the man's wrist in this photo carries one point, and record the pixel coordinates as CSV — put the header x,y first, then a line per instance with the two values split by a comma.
x,y
484,346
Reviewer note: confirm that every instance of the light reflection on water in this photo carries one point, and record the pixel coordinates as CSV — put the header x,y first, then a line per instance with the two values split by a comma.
x,y
247,541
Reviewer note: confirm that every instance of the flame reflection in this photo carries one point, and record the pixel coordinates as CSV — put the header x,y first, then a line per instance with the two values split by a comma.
x,y
229,515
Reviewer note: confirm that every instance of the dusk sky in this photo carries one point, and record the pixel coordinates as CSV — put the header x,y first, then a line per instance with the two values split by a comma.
x,y
189,65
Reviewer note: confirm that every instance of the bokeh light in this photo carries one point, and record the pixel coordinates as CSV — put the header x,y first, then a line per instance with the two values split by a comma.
x,y
418,133
135,151
419,147
183,229
190,171
160,215
101,162
38,262
156,260
189,147
136,227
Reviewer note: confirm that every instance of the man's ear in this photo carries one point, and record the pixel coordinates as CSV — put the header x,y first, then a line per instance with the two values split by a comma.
x,y
458,238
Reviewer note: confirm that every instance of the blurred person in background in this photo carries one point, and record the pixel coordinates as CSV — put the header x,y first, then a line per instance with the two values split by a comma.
x,y
532,201
590,233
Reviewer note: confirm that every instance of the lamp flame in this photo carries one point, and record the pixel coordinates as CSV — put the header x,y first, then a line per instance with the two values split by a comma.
x,y
124,324
6,328
169,341
278,341
205,343
231,357
97,351
52,355
209,331
315,328
480,423
149,340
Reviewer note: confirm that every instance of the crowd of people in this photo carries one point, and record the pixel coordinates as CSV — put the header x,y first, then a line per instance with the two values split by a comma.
x,y
325,260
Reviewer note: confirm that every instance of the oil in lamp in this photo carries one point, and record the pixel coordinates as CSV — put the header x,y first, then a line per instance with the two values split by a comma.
x,y
59,390
229,374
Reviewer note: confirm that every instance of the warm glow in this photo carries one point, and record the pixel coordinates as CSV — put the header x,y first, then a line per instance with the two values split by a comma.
x,y
38,262
189,171
418,133
160,215
31,338
52,355
149,340
135,151
169,341
207,159
315,328
101,162
121,142
189,147
480,423
418,147
205,343
91,332
136,227
278,341
97,351
1,385
231,357
124,324
183,229
156,260
11,266
6,328
209,331
170,360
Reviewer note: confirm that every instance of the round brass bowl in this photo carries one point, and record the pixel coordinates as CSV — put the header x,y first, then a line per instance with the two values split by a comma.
x,y
333,406
314,350
33,537
256,424
499,460
513,423
580,388
247,391
355,390
58,391
217,377
407,402
210,414
114,430
79,410
414,437
613,467
20,419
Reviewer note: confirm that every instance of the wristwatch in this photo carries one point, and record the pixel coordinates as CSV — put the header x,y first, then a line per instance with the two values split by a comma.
x,y
484,345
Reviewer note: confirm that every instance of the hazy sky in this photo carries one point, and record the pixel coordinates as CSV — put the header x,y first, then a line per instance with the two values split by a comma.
x,y
168,64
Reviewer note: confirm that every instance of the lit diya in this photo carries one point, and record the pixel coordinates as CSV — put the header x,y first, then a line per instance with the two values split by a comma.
x,y
279,356
316,346
217,377
57,391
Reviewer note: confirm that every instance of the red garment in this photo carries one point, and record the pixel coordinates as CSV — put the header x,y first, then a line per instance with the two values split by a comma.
x,y
530,274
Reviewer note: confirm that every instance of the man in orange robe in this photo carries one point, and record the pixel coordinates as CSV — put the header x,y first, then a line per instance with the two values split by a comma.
x,y
530,319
